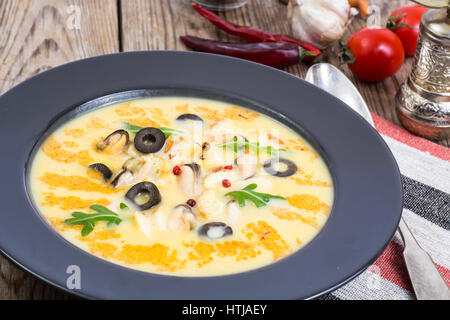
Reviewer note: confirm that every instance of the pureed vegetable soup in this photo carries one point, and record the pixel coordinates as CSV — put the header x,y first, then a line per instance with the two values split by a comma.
x,y
181,186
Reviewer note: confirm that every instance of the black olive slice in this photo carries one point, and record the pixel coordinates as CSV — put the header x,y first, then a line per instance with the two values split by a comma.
x,y
149,140
102,145
103,169
189,116
144,189
215,230
269,167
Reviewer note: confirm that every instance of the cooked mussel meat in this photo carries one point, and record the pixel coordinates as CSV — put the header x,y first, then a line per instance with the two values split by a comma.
x,y
182,219
234,212
240,139
149,140
123,177
144,195
130,168
133,165
272,167
115,142
215,230
103,169
189,179
189,116
247,165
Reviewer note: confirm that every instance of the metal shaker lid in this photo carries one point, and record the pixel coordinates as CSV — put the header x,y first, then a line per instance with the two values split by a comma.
x,y
437,24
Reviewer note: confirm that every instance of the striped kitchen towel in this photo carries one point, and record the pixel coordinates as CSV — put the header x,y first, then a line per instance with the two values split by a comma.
x,y
425,169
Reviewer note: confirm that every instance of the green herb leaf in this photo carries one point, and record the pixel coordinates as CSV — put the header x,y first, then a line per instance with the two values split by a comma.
x,y
248,193
167,131
123,206
131,127
235,145
88,220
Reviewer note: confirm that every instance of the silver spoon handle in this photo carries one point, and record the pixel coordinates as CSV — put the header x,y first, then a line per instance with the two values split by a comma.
x,y
427,282
426,279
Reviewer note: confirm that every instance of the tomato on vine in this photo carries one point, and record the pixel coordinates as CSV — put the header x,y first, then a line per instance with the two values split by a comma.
x,y
404,22
373,53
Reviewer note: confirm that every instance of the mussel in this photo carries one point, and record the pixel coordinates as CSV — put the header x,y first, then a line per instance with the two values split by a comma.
x,y
115,142
240,138
189,116
215,230
103,169
247,165
123,177
144,195
270,167
234,212
182,218
133,164
189,179
205,147
149,140
129,169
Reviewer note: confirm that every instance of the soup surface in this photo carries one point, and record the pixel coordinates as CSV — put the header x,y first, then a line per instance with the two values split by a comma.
x,y
181,186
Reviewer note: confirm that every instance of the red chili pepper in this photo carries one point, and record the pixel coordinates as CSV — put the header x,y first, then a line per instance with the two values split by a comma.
x,y
251,34
275,54
228,167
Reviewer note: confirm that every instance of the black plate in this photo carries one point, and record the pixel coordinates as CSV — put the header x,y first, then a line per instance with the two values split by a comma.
x,y
368,193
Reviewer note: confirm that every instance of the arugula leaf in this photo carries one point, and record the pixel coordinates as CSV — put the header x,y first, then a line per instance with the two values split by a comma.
x,y
235,145
88,220
167,131
248,193
123,206
131,127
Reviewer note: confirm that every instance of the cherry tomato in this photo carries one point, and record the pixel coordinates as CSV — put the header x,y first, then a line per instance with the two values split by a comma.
x,y
378,53
406,26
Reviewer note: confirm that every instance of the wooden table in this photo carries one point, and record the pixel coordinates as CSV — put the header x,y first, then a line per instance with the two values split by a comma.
x,y
36,35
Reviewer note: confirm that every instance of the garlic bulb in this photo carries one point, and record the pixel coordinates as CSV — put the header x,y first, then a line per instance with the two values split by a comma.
x,y
319,22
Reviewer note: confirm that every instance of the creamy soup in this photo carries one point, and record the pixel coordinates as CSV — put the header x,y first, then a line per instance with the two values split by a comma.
x,y
181,186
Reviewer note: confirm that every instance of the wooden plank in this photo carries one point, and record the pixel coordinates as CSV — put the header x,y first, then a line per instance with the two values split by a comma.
x,y
40,34
157,25
37,35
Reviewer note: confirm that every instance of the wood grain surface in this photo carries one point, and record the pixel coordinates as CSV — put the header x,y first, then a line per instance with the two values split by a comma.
x,y
36,35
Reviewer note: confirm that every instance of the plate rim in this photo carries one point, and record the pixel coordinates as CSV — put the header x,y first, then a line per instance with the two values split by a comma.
x,y
152,54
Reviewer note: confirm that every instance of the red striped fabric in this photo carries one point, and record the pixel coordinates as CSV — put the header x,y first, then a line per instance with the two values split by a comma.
x,y
391,263
425,168
392,267
401,135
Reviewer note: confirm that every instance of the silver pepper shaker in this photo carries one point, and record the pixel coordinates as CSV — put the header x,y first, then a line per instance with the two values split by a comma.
x,y
423,102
